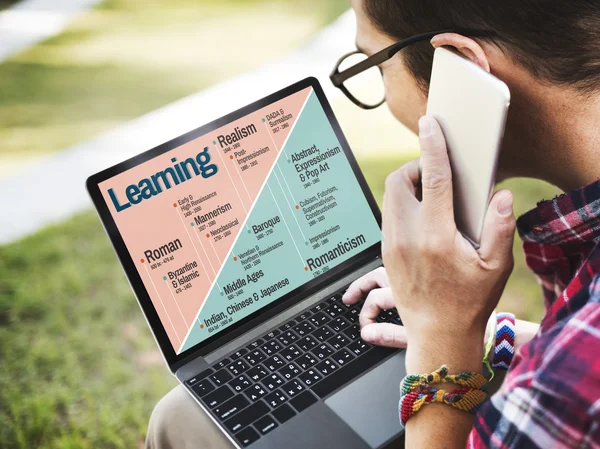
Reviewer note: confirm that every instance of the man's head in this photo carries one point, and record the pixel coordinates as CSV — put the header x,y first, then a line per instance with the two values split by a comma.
x,y
547,51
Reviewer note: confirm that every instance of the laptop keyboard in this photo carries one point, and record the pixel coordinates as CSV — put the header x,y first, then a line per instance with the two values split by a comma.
x,y
256,389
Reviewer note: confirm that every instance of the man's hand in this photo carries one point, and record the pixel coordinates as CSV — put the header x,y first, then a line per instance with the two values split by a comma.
x,y
444,289
375,286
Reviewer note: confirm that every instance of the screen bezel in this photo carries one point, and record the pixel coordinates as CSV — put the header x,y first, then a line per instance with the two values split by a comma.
x,y
173,359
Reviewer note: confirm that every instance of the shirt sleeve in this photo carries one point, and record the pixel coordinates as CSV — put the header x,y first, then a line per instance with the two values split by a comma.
x,y
549,398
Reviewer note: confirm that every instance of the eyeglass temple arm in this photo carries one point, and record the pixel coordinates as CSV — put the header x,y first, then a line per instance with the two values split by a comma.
x,y
338,78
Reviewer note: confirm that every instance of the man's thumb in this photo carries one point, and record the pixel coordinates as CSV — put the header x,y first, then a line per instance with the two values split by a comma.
x,y
498,229
384,334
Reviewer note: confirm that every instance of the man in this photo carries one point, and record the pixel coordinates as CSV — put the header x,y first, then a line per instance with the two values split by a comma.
x,y
548,53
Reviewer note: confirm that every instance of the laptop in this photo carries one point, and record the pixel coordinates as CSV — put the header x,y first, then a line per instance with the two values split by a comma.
x,y
239,239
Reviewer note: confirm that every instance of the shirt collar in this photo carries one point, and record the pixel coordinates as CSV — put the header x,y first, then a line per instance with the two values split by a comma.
x,y
571,218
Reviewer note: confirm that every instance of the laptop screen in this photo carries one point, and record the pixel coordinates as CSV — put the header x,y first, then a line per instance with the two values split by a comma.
x,y
231,221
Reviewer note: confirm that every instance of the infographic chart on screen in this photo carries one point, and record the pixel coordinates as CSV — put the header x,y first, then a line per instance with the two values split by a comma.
x,y
227,223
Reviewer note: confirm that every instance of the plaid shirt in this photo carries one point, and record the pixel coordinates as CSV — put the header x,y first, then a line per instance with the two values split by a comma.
x,y
550,397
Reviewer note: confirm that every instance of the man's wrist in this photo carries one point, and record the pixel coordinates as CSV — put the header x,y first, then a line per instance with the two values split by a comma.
x,y
459,353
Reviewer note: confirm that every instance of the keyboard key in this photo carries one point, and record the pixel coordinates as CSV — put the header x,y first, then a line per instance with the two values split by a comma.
x,y
310,377
255,392
304,316
255,344
293,388
287,338
318,307
306,361
331,299
221,377
303,401
342,357
359,347
283,413
353,332
218,396
323,333
326,367
338,342
273,381
203,387
322,351
319,319
390,314
240,383
255,357
350,370
247,436
287,326
339,324
271,347
246,416
272,334
352,315
275,399
238,354
304,328
335,310
238,367
307,343
265,424
257,373
200,376
231,407
274,363
289,371
290,353
222,364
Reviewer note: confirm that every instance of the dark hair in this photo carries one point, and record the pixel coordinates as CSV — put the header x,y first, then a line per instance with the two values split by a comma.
x,y
558,41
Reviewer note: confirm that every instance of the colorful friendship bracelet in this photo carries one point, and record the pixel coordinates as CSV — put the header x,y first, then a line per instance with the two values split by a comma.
x,y
416,391
465,399
504,348
414,382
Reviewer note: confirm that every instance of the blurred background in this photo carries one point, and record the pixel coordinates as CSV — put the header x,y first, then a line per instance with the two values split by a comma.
x,y
87,83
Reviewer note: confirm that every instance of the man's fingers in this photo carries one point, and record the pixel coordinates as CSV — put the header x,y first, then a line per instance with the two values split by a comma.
x,y
400,194
377,300
498,230
384,334
364,284
436,176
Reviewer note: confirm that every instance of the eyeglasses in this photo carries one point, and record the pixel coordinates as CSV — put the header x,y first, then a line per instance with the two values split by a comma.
x,y
360,77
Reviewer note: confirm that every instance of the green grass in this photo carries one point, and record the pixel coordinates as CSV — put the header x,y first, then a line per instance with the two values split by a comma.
x,y
6,4
79,366
126,58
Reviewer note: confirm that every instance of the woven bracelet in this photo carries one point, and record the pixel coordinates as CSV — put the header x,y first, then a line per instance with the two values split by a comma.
x,y
414,382
465,399
504,348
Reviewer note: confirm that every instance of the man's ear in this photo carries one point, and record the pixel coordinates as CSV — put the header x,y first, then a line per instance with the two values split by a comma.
x,y
464,45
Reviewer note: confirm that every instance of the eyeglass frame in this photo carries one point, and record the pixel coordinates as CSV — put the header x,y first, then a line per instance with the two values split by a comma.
x,y
338,78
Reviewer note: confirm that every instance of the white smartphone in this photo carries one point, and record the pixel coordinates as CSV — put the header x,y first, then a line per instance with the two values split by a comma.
x,y
471,106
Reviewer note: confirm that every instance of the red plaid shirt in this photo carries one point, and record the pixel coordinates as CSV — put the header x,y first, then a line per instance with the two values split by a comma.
x,y
550,397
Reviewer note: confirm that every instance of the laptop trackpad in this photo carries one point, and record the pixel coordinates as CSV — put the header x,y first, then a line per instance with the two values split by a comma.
x,y
369,405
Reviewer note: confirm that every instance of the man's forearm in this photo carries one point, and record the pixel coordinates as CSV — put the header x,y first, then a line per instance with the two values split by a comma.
x,y
524,332
440,425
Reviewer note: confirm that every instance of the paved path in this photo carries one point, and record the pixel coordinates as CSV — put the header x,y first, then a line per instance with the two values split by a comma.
x,y
31,21
54,189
